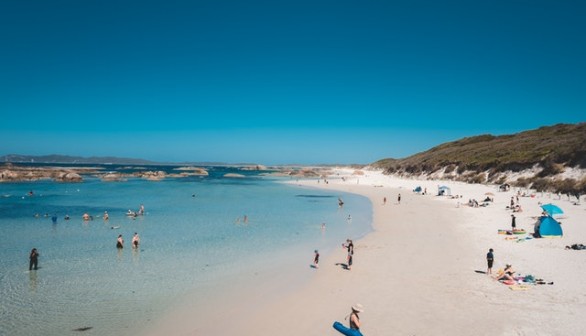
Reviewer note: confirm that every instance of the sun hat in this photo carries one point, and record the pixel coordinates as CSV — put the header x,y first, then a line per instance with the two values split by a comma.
x,y
358,308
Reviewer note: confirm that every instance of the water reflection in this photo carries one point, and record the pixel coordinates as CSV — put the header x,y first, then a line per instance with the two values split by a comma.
x,y
32,284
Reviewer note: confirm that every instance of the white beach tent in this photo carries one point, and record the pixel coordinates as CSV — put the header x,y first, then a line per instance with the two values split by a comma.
x,y
443,191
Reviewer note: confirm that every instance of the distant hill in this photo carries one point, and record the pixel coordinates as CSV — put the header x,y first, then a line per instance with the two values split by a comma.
x,y
541,159
56,159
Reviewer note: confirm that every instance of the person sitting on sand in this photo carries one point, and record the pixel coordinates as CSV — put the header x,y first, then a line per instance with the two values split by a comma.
x,y
507,274
354,322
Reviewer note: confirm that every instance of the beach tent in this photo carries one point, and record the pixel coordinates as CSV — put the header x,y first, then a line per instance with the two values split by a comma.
x,y
417,190
443,190
552,209
549,227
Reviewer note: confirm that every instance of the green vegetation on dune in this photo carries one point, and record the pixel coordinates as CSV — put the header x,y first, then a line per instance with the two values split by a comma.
x,y
485,158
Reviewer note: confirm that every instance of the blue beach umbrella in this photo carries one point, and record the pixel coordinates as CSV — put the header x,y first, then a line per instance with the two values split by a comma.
x,y
552,209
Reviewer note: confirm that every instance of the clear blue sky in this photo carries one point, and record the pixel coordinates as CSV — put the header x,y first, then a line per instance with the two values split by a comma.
x,y
278,82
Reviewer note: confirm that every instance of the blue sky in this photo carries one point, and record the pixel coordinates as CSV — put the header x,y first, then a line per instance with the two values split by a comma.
x,y
279,82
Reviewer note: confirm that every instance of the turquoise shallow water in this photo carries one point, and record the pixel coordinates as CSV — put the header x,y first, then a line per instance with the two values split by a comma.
x,y
190,237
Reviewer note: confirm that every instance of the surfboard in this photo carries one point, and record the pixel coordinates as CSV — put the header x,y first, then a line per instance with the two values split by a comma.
x,y
345,330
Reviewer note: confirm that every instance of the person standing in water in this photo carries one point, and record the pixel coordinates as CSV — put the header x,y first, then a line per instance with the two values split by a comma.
x,y
120,242
34,260
135,240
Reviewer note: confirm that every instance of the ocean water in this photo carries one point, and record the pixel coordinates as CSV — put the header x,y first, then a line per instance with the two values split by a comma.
x,y
192,234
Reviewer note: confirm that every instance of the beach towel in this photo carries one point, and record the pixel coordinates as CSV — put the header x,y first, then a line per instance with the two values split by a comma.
x,y
519,287
345,330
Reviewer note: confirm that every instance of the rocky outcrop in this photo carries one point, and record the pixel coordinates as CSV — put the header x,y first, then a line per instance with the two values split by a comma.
x,y
18,174
112,177
192,171
152,175
232,175
69,177
254,167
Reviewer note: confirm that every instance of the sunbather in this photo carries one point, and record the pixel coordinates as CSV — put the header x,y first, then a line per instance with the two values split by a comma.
x,y
507,274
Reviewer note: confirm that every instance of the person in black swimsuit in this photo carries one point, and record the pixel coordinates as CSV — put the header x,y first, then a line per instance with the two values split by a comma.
x,y
34,259
489,260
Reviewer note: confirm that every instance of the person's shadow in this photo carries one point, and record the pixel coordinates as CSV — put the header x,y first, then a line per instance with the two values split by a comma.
x,y
344,266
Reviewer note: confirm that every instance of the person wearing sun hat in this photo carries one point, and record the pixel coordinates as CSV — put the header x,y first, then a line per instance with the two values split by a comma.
x,y
354,322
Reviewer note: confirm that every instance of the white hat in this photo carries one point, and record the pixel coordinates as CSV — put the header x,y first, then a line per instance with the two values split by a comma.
x,y
358,308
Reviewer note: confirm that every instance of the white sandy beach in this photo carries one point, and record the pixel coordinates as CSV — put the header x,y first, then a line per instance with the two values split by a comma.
x,y
415,274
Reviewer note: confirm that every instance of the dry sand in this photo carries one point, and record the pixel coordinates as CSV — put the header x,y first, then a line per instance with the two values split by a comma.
x,y
415,274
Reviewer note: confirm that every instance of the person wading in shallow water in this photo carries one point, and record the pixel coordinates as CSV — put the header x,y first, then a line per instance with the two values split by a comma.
x,y
34,259
120,242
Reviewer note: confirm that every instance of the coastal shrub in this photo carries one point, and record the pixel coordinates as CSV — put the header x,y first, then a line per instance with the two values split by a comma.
x,y
522,182
579,158
567,186
449,168
479,178
461,168
582,186
501,180
541,184
550,168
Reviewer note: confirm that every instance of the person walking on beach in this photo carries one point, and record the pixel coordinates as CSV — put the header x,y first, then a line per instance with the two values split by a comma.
x,y
350,247
120,242
354,322
34,260
490,261
384,200
316,259
135,240
399,199
513,222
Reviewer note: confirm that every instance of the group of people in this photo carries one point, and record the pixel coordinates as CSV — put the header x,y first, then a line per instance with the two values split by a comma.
x,y
508,274
398,200
133,214
135,241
